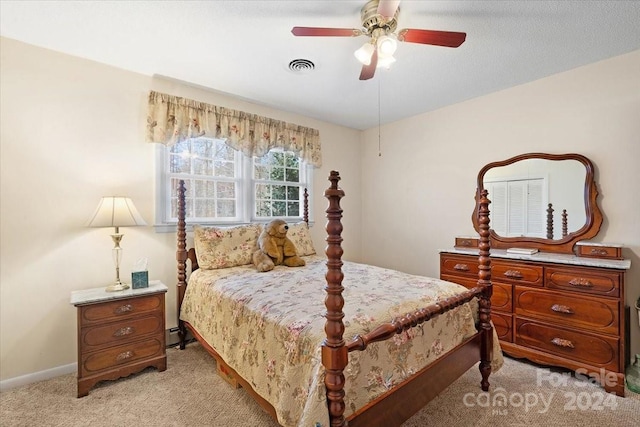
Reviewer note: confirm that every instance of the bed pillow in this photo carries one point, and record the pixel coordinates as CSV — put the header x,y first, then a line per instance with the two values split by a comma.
x,y
299,234
223,247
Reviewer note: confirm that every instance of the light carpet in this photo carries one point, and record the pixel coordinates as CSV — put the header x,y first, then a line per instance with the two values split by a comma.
x,y
190,393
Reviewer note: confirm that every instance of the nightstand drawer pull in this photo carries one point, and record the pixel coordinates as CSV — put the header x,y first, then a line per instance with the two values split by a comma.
x,y
514,274
128,330
124,309
562,343
461,267
558,308
124,355
581,283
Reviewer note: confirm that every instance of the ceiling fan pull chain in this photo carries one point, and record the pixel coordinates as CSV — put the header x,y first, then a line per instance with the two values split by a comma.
x,y
379,143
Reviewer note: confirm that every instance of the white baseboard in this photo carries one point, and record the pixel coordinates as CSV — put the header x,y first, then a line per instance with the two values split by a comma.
x,y
38,376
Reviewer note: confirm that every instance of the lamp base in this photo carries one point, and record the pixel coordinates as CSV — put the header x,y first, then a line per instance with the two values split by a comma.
x,y
117,287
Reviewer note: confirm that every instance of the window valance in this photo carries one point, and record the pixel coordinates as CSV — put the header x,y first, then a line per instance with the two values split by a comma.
x,y
172,119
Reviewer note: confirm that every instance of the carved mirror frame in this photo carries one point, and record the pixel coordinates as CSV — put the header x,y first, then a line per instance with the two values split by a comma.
x,y
565,244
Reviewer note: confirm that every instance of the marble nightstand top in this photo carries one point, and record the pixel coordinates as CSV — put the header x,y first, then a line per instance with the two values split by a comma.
x,y
91,296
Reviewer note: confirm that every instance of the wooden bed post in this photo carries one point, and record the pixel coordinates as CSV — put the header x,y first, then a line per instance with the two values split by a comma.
x,y
305,205
484,281
334,350
181,257
550,221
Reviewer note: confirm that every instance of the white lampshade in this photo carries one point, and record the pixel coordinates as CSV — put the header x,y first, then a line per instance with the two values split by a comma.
x,y
385,61
364,53
386,45
116,212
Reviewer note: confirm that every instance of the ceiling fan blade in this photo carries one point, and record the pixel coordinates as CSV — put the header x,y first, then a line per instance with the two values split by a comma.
x,y
369,70
438,38
387,8
325,32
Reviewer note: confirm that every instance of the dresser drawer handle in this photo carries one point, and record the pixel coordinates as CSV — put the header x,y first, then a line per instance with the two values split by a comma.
x,y
461,267
581,283
124,355
127,330
562,343
598,251
561,309
514,274
124,309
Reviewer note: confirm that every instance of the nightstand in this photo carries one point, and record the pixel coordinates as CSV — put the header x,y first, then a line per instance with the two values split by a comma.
x,y
119,333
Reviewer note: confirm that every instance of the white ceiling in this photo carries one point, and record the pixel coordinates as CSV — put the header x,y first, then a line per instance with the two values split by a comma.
x,y
244,48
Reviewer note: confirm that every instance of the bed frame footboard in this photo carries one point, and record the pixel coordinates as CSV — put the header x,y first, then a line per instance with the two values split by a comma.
x,y
335,350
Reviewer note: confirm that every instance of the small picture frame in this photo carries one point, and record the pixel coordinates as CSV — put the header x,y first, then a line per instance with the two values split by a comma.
x,y
139,279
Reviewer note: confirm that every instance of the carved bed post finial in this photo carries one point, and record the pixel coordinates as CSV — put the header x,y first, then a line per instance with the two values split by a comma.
x,y
484,280
565,228
550,221
305,205
334,350
181,257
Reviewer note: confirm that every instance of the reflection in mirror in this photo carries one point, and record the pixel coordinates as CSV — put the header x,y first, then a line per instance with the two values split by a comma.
x,y
541,201
521,192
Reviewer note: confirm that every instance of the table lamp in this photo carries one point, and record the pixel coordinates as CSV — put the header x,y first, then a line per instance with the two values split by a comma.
x,y
116,212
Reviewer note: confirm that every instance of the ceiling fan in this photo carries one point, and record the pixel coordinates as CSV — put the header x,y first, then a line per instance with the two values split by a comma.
x,y
379,22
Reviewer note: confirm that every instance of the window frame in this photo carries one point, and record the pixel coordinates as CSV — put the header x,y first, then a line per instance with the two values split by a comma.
x,y
246,208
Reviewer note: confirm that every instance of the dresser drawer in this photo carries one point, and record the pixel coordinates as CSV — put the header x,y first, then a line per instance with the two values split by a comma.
x,y
578,346
120,309
501,297
611,252
459,266
503,325
121,355
127,330
593,314
467,282
585,280
512,272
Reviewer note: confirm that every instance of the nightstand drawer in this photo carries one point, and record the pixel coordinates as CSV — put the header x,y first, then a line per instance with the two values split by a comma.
x,y
121,355
585,280
120,309
592,314
127,330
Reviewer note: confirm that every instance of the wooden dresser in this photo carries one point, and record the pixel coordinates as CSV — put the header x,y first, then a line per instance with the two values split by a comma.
x,y
554,309
119,333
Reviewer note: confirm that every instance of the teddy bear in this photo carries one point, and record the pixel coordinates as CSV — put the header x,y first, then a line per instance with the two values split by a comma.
x,y
275,248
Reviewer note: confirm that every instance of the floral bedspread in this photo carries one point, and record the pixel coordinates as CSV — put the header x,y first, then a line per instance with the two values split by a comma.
x,y
269,328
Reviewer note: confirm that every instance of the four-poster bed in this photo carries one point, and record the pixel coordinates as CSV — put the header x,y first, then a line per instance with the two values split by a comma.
x,y
459,333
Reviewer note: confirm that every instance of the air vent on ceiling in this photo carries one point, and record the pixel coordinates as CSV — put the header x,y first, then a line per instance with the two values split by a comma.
x,y
301,65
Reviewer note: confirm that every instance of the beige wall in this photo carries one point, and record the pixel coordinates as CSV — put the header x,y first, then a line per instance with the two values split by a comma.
x,y
73,131
420,194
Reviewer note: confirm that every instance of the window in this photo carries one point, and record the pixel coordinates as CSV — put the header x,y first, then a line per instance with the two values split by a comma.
x,y
518,207
223,186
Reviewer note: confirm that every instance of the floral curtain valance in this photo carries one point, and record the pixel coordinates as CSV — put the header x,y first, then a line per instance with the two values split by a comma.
x,y
172,119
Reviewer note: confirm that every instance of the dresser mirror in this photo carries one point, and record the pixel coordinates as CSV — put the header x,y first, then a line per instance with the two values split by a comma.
x,y
541,201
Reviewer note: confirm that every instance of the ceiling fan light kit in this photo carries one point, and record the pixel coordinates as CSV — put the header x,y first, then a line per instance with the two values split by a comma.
x,y
365,53
379,21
